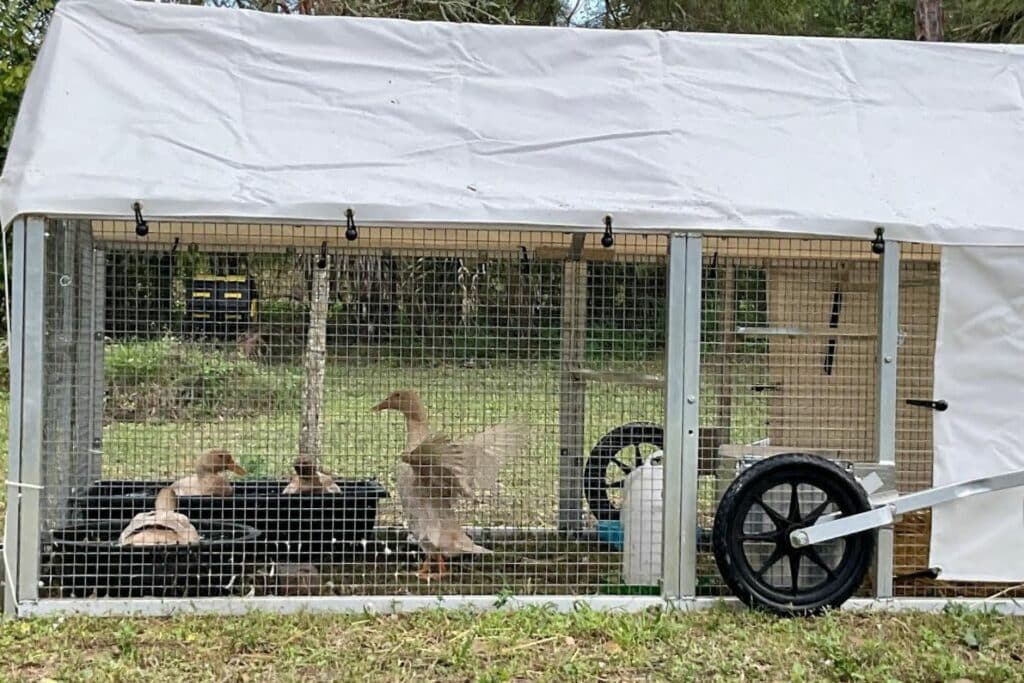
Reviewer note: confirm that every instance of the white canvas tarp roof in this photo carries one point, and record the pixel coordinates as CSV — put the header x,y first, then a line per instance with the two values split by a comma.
x,y
206,113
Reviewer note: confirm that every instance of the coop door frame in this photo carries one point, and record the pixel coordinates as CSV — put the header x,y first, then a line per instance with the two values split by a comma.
x,y
682,417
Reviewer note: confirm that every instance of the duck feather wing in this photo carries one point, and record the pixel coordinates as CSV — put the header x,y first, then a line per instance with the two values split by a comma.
x,y
462,468
431,515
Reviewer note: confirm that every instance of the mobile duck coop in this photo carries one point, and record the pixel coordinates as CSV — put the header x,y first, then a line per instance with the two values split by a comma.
x,y
545,315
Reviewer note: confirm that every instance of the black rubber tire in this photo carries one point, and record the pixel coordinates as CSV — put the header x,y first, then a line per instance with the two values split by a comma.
x,y
602,456
728,537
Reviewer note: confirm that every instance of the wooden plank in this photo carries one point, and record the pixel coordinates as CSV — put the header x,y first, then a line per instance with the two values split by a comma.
x,y
232,236
549,243
314,363
611,377
805,331
572,397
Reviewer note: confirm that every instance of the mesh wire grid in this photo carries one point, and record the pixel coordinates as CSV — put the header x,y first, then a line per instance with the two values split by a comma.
x,y
271,341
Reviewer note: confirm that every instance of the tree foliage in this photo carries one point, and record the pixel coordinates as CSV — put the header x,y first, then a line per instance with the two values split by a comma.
x,y
855,18
988,21
21,29
545,12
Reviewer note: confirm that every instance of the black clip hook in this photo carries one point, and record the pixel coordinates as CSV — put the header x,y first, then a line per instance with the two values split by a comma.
x,y
141,226
351,233
322,261
607,240
878,244
174,247
939,405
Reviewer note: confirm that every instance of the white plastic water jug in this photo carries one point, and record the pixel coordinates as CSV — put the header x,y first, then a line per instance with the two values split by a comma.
x,y
641,516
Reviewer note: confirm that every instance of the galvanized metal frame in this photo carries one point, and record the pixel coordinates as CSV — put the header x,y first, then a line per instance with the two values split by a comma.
x,y
682,379
153,607
830,526
27,352
682,417
885,414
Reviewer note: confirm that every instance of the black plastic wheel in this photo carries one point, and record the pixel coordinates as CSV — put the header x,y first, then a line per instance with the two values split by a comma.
x,y
618,453
750,539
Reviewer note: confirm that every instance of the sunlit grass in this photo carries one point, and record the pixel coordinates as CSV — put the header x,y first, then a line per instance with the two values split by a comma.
x,y
361,444
528,645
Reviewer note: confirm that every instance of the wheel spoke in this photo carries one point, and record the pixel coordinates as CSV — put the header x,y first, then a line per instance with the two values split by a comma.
x,y
794,571
772,559
766,536
794,504
626,469
814,556
817,512
780,521
638,457
616,484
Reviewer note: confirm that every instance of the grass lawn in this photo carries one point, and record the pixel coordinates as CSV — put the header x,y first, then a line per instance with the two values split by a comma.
x,y
527,645
358,443
532,644
362,444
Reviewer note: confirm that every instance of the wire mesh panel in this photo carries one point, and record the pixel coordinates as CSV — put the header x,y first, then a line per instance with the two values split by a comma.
x,y
251,410
919,305
788,366
273,410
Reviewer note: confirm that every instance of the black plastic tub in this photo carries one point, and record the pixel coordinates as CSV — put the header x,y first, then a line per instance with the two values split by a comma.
x,y
86,560
299,527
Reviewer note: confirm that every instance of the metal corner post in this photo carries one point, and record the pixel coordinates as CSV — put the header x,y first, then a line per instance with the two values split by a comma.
x,y
885,415
682,416
27,352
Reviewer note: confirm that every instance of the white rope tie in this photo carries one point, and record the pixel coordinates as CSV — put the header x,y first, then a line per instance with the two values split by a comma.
x,y
6,559
24,485
10,580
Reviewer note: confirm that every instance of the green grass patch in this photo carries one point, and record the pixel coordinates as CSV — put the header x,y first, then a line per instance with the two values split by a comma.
x,y
168,400
527,645
172,380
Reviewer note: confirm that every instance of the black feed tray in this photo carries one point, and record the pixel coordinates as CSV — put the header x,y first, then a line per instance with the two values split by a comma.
x,y
299,526
86,560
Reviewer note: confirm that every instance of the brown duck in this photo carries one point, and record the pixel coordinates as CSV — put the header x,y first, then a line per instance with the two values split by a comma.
x,y
162,526
309,478
436,472
210,478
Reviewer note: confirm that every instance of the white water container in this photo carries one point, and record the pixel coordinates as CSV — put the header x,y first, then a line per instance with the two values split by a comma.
x,y
642,513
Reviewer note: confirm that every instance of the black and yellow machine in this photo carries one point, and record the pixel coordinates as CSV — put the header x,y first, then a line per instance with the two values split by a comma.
x,y
221,305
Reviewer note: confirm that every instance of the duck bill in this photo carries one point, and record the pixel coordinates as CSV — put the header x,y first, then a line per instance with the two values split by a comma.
x,y
383,405
238,469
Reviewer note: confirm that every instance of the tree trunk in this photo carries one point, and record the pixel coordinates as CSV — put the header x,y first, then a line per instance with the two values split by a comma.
x,y
928,20
311,428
